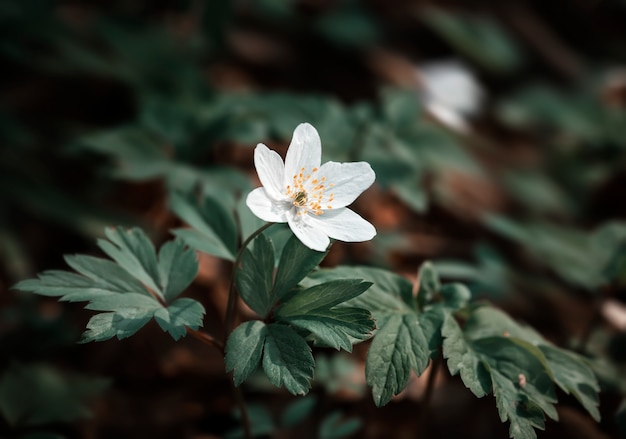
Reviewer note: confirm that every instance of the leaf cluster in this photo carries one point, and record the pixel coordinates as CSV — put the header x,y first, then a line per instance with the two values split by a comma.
x,y
291,315
130,289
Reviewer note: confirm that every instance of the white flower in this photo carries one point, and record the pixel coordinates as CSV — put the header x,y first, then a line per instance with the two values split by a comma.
x,y
451,92
311,197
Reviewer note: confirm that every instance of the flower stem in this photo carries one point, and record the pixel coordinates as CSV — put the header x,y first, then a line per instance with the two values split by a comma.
x,y
232,294
207,339
229,322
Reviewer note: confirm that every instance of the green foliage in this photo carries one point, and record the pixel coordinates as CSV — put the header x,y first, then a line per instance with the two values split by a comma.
x,y
33,394
134,287
492,352
213,230
407,333
478,37
316,313
583,259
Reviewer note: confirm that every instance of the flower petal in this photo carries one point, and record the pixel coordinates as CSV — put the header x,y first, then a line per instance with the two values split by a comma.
x,y
344,225
305,151
271,170
312,237
263,207
345,182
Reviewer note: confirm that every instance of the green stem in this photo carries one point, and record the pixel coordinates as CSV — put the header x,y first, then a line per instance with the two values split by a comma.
x,y
232,294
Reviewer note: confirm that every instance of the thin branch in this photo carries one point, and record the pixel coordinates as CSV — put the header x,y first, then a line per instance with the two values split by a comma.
x,y
207,339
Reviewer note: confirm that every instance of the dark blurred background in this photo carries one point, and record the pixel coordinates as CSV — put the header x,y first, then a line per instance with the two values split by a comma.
x,y
497,131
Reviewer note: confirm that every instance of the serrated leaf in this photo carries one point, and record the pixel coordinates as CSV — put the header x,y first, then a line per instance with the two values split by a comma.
x,y
313,309
521,415
398,347
323,296
178,267
287,359
134,252
213,228
573,375
130,294
462,359
255,276
383,297
296,261
182,313
108,325
336,328
244,348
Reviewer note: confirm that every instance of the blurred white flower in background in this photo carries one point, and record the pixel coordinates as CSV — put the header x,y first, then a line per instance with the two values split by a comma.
x,y
451,92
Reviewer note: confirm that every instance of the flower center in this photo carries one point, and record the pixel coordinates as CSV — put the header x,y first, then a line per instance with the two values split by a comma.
x,y
307,193
300,199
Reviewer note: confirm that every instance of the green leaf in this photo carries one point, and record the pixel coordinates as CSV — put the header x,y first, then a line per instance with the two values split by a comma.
x,y
37,394
573,375
462,359
255,276
383,297
182,313
213,229
178,267
398,347
137,286
134,252
287,359
522,366
244,348
323,296
336,328
296,261
313,309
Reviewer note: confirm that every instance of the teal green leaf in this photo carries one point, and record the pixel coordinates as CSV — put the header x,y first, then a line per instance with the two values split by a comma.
x,y
182,313
325,295
398,347
462,359
108,325
574,376
134,252
521,414
132,294
287,359
213,229
296,261
178,267
244,349
383,297
319,309
336,328
255,276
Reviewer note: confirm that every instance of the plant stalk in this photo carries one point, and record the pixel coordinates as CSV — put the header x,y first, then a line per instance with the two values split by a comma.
x,y
229,321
